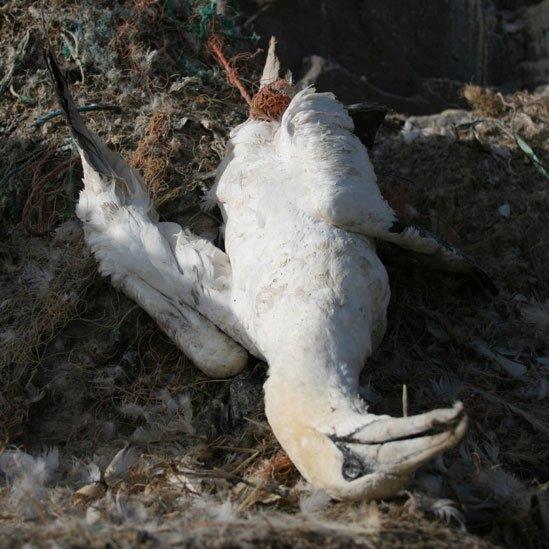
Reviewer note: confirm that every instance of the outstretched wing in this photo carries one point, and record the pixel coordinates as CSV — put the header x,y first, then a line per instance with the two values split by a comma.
x,y
181,280
436,253
335,181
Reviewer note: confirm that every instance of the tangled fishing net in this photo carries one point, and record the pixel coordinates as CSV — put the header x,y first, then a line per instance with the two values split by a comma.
x,y
269,103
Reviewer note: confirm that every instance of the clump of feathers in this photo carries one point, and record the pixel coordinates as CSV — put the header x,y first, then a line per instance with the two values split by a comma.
x,y
170,417
27,478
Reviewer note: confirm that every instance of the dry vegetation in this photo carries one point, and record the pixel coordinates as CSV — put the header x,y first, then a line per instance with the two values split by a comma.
x,y
110,436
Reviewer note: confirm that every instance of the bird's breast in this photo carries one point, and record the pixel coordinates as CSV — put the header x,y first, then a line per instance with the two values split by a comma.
x,y
300,283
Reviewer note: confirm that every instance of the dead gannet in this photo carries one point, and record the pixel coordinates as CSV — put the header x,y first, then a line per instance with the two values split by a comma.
x,y
299,285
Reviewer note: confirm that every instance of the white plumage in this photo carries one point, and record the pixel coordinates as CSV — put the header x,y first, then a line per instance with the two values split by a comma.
x,y
300,284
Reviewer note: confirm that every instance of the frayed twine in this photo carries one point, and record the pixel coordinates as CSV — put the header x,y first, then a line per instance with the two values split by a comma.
x,y
36,220
215,44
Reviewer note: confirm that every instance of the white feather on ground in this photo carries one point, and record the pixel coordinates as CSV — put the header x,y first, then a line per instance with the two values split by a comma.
x,y
222,512
120,465
27,478
314,502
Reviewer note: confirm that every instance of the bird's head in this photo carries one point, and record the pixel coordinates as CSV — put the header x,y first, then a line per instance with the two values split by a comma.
x,y
369,461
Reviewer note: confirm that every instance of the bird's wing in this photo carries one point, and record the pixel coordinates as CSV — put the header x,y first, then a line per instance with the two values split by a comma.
x,y
367,118
333,180
433,251
332,176
180,279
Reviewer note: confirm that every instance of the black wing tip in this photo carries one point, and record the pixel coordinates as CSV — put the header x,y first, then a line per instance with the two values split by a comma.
x,y
60,82
366,106
54,69
469,266
96,153
367,119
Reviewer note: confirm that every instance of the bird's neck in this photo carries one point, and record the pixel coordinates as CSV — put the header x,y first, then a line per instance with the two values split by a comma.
x,y
303,406
318,395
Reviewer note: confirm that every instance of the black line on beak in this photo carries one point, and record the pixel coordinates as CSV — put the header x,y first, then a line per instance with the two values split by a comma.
x,y
436,429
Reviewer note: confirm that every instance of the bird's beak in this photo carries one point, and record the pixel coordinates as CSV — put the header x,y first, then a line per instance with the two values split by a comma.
x,y
401,445
271,70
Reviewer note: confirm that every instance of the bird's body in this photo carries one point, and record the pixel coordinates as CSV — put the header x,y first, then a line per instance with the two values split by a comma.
x,y
315,281
299,284
315,305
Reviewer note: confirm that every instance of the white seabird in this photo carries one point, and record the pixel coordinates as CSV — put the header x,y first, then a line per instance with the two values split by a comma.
x,y
298,285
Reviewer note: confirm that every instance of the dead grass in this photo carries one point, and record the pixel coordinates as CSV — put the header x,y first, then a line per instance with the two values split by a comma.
x,y
83,369
152,155
483,101
44,207
280,468
491,104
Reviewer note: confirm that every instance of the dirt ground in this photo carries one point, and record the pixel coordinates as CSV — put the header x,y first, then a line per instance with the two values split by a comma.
x,y
108,435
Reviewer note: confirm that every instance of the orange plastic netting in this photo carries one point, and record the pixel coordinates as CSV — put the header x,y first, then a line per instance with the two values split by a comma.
x,y
269,103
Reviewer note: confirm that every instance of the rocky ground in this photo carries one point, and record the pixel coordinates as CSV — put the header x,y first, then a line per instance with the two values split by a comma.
x,y
110,436
411,56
